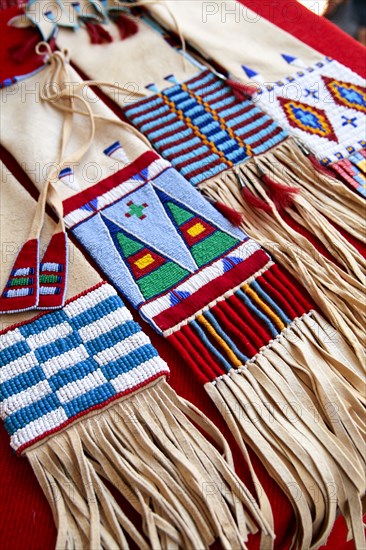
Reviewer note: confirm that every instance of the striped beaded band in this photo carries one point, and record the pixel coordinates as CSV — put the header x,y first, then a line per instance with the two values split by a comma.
x,y
229,332
61,365
202,128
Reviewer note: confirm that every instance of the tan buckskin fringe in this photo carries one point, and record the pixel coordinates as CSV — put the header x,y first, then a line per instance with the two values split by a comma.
x,y
145,447
337,288
320,198
326,194
293,405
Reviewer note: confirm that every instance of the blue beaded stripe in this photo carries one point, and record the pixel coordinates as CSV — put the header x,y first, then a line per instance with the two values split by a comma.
x,y
52,266
263,147
16,292
195,180
43,323
113,337
22,272
266,298
60,346
202,335
65,172
146,105
84,318
204,121
12,352
112,148
131,361
21,382
24,416
225,336
95,396
258,313
75,372
194,140
70,360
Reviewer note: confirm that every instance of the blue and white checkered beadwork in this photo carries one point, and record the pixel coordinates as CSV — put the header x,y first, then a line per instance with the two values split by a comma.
x,y
62,364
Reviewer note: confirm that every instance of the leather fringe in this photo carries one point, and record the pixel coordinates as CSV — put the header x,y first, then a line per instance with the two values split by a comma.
x,y
335,286
147,448
294,406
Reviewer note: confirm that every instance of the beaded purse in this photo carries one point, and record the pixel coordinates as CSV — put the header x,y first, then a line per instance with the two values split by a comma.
x,y
237,149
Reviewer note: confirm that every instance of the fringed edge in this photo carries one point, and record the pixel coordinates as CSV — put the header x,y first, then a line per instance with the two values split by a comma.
x,y
293,405
285,180
147,448
339,294
324,193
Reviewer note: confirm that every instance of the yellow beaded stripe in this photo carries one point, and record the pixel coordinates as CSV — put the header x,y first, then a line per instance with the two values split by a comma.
x,y
250,292
195,129
229,352
219,119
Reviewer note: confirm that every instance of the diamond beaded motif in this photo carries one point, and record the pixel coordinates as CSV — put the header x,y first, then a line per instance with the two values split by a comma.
x,y
64,364
308,118
324,106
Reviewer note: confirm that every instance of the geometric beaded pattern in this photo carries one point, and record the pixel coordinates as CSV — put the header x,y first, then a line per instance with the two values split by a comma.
x,y
156,239
323,105
37,285
49,278
53,273
63,364
20,282
202,128
353,171
267,316
232,331
21,290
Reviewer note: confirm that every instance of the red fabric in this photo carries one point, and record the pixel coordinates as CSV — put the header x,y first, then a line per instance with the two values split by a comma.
x,y
26,520
317,32
11,38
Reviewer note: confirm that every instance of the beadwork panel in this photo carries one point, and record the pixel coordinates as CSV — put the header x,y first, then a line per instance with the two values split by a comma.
x,y
160,243
202,128
323,105
64,364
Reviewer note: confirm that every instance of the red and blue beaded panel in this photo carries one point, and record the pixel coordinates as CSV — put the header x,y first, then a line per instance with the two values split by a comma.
x,y
202,127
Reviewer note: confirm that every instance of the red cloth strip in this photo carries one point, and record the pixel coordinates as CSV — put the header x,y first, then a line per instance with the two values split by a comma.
x,y
236,329
260,334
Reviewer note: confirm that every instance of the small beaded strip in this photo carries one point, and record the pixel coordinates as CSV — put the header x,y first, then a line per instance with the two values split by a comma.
x,y
63,364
